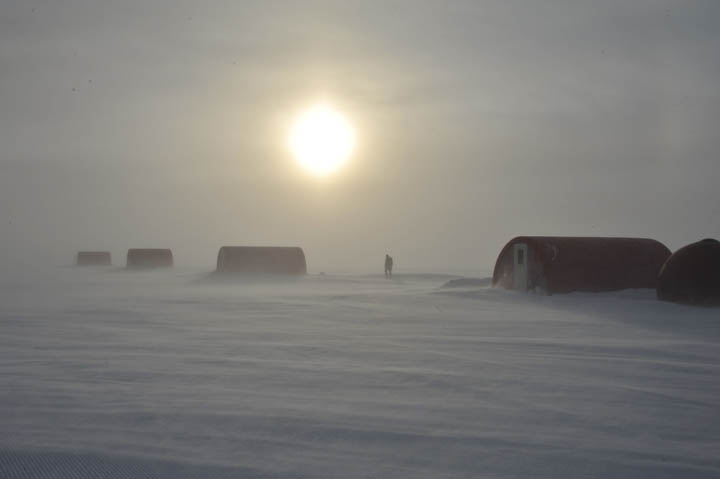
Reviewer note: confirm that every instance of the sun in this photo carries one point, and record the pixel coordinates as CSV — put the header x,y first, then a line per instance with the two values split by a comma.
x,y
321,139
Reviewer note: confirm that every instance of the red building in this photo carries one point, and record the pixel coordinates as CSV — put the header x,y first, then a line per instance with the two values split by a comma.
x,y
93,258
564,264
261,259
147,258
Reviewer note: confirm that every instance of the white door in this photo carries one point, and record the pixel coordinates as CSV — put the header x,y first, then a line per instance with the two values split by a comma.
x,y
520,268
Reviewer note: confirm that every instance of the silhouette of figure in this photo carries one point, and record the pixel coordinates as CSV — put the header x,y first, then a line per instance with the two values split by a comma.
x,y
388,266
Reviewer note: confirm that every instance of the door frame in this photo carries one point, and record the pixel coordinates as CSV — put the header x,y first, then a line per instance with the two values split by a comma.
x,y
520,266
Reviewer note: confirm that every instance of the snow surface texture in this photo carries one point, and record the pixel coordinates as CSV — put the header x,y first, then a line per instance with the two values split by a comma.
x,y
170,374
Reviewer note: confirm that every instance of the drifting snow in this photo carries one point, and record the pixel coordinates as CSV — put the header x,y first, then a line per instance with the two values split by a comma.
x,y
108,373
468,283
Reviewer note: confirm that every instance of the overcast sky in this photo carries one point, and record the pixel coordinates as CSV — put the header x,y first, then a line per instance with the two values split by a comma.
x,y
164,124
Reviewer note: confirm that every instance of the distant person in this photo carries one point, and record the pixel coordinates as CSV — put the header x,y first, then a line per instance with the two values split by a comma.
x,y
388,266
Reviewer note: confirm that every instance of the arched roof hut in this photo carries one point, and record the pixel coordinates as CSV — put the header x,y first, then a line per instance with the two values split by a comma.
x,y
556,264
148,258
262,260
93,258
692,275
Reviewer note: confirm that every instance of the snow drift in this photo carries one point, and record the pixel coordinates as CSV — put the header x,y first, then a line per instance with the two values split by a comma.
x,y
158,375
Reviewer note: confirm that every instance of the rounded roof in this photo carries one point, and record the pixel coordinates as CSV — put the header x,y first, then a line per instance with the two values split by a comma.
x,y
83,258
585,263
149,257
692,274
261,259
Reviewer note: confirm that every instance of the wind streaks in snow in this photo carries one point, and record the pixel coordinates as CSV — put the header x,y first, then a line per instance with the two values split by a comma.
x,y
167,374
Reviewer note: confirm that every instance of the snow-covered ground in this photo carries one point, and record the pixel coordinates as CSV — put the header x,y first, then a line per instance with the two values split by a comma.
x,y
171,374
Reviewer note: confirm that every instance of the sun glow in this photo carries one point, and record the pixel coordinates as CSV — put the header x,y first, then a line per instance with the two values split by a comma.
x,y
321,140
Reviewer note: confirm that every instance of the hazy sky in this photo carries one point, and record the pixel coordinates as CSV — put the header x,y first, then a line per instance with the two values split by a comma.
x,y
164,124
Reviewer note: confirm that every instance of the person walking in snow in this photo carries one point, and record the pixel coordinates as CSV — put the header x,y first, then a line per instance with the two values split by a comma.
x,y
388,266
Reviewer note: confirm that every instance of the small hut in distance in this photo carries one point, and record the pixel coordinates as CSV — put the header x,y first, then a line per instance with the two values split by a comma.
x,y
261,260
149,258
566,264
93,258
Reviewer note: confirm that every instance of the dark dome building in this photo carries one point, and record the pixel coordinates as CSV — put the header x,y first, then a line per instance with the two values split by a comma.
x,y
692,275
148,258
556,264
261,260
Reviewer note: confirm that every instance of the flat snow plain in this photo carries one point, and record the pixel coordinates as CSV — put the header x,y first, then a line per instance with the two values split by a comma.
x,y
171,374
